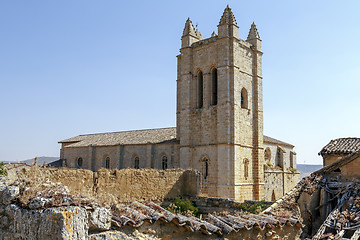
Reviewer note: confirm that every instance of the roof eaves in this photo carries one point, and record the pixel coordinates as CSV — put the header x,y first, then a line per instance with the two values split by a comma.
x,y
341,146
137,130
69,141
118,144
275,141
135,214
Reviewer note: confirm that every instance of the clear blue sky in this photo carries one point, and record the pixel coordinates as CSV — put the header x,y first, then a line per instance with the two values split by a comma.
x,y
81,66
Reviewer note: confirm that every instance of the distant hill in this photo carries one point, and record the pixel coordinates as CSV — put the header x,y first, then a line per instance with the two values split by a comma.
x,y
306,169
41,160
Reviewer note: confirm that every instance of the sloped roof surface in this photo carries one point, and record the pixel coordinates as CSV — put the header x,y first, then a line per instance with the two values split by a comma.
x,y
123,138
146,136
341,146
276,141
136,213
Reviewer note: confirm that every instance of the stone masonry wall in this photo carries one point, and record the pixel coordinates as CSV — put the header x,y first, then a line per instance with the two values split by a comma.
x,y
278,182
150,156
330,159
126,185
230,133
351,171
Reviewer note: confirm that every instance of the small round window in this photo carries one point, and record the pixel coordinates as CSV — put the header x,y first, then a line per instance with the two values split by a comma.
x,y
80,162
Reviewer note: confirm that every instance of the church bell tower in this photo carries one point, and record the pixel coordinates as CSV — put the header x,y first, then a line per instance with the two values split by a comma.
x,y
220,110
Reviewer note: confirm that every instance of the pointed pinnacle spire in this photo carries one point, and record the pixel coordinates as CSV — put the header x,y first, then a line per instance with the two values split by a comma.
x,y
189,28
227,17
253,33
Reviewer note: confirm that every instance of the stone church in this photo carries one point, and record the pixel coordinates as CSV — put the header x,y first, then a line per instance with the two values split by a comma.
x,y
219,127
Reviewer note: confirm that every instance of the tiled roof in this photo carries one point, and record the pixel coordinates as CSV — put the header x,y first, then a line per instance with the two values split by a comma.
x,y
146,136
136,214
123,138
341,146
275,141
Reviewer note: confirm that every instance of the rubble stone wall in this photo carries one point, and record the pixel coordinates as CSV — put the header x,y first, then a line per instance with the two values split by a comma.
x,y
278,182
291,179
52,223
125,185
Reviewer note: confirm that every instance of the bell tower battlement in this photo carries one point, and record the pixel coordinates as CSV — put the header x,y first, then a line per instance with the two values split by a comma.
x,y
219,108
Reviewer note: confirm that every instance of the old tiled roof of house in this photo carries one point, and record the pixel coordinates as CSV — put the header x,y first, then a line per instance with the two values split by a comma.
x,y
152,136
136,214
341,146
275,141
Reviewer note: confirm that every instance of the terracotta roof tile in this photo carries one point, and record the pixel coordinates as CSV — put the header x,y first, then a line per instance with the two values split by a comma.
x,y
341,146
136,214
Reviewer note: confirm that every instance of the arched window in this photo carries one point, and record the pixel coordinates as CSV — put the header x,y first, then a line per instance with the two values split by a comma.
x,y
164,162
214,87
244,98
107,163
267,154
80,162
200,90
246,169
136,163
205,167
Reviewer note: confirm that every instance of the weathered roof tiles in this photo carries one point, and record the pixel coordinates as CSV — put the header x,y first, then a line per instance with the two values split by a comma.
x,y
136,213
341,146
148,136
